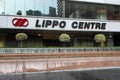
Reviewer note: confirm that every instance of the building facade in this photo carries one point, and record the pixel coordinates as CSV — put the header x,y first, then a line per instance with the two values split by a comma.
x,y
44,20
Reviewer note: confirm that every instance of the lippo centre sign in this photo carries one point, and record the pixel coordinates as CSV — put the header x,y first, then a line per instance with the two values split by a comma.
x,y
70,25
61,24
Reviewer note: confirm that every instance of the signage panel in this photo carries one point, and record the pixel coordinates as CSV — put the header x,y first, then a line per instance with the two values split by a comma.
x,y
3,22
60,24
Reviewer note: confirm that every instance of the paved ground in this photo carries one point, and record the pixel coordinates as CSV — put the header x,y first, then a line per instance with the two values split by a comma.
x,y
105,74
113,59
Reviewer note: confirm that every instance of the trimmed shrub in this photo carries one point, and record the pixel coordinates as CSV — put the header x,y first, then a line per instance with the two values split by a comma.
x,y
21,37
100,38
64,38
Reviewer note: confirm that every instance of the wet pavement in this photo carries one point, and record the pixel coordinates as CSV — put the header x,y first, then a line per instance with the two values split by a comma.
x,y
104,74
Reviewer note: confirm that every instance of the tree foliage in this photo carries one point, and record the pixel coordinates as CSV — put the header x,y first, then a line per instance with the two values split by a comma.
x,y
19,12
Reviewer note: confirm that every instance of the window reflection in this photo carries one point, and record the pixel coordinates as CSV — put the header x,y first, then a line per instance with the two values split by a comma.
x,y
29,7
50,7
10,7
2,2
39,7
92,11
20,6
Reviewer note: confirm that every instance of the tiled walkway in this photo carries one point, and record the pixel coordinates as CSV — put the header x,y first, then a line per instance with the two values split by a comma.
x,y
20,63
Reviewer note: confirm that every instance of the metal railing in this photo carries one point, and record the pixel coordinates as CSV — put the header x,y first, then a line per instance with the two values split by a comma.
x,y
56,50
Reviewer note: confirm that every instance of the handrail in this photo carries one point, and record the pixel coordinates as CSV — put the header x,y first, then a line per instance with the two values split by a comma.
x,y
56,50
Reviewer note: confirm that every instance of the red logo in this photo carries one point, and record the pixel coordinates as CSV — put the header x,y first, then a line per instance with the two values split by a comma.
x,y
21,22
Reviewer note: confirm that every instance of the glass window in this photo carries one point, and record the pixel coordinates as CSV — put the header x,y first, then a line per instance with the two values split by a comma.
x,y
2,7
39,7
50,7
46,7
10,7
20,7
92,11
30,7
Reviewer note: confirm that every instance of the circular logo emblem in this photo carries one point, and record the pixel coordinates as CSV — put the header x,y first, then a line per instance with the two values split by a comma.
x,y
20,22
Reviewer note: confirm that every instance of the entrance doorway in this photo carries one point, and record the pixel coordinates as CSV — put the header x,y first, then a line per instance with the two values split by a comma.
x,y
116,39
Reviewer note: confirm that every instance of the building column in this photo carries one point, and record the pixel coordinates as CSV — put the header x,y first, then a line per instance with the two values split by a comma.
x,y
76,42
63,8
110,40
2,40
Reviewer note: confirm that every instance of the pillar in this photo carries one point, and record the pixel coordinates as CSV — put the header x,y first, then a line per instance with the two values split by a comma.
x,y
2,40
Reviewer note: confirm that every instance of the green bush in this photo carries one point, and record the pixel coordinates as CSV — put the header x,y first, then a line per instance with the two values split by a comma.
x,y
100,38
64,38
21,37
